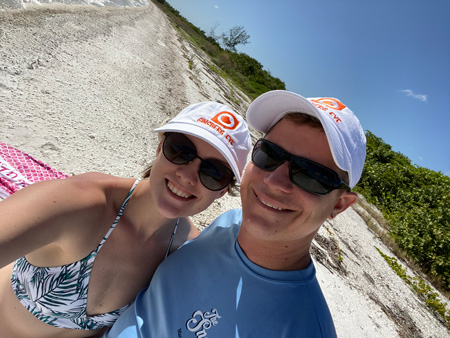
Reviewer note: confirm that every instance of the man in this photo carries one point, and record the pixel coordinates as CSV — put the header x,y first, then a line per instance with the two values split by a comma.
x,y
250,274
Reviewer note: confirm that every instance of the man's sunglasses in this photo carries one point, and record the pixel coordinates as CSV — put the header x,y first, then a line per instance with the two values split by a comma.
x,y
213,174
306,174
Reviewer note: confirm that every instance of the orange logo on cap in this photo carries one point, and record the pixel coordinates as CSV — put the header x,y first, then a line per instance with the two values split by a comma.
x,y
330,102
226,119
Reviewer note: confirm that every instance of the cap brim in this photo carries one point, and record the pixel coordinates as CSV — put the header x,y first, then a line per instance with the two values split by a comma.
x,y
269,108
206,136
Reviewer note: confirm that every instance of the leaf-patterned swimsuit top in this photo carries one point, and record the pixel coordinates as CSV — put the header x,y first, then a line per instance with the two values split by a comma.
x,y
58,295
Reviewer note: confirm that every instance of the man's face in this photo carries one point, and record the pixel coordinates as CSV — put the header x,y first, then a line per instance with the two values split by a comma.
x,y
274,208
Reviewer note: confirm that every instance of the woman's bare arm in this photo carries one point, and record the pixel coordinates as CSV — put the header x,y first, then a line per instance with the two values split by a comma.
x,y
41,213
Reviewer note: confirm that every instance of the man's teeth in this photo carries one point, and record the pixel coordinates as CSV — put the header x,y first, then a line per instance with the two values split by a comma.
x,y
269,205
176,191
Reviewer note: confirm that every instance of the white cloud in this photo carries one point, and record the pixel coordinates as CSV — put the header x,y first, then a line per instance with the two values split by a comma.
x,y
216,6
410,93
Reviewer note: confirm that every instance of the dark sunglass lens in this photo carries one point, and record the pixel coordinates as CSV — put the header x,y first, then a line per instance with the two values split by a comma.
x,y
214,175
312,176
267,156
304,180
178,149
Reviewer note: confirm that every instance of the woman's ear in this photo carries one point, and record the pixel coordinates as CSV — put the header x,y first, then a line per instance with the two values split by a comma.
x,y
223,192
158,149
345,200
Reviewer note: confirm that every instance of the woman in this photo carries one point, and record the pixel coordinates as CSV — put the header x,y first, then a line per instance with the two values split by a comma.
x,y
52,232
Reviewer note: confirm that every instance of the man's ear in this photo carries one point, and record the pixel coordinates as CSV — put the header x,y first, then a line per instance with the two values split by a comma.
x,y
345,200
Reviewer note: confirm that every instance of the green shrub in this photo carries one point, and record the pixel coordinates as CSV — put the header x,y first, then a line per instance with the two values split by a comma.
x,y
415,202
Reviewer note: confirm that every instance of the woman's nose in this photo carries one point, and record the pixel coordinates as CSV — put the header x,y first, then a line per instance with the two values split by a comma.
x,y
188,173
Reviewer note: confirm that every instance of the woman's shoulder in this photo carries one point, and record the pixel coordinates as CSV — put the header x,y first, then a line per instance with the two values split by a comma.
x,y
79,191
98,182
95,179
189,227
186,231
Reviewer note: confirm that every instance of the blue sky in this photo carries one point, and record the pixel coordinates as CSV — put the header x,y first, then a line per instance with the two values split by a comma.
x,y
388,60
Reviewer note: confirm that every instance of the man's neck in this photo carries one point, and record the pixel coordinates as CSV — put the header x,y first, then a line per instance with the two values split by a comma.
x,y
275,255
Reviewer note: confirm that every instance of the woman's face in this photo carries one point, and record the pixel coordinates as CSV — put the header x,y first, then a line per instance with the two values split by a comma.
x,y
176,188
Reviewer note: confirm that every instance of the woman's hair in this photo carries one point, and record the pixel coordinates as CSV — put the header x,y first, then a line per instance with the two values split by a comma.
x,y
233,188
146,172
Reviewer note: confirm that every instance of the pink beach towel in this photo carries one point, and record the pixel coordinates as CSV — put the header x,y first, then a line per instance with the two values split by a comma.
x,y
17,170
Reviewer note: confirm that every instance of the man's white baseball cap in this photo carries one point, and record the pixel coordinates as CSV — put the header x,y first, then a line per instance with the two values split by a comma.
x,y
343,130
218,125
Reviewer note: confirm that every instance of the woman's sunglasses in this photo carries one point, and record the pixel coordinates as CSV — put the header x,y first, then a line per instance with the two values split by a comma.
x,y
308,175
213,174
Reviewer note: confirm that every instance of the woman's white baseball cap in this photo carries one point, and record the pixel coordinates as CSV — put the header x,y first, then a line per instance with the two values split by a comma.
x,y
218,125
344,133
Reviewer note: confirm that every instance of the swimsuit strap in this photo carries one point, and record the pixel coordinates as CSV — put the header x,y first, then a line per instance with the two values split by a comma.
x,y
122,209
172,237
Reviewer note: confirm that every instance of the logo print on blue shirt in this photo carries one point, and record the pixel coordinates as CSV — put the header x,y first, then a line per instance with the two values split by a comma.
x,y
202,321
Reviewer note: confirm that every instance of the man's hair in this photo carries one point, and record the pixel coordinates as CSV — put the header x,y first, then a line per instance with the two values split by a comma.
x,y
304,119
233,188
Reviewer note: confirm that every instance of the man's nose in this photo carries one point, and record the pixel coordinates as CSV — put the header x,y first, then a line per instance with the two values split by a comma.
x,y
279,178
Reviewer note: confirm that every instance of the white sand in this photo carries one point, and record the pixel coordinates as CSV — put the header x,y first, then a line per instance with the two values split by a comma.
x,y
82,88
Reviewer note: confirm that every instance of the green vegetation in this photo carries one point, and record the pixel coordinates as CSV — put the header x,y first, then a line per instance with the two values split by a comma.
x,y
420,287
415,202
246,72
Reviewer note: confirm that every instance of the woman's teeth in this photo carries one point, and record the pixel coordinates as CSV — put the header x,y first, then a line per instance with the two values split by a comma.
x,y
176,191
